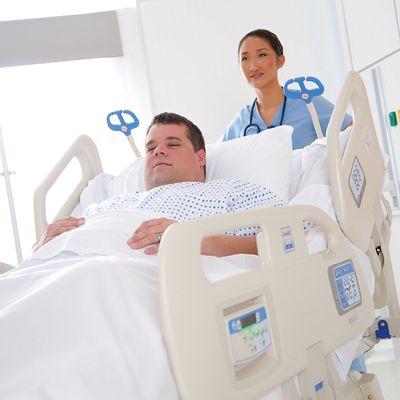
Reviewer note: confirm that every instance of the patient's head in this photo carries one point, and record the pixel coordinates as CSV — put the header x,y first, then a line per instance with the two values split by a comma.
x,y
175,151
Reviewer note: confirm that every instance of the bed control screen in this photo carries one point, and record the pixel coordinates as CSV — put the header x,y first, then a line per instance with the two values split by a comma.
x,y
345,288
249,334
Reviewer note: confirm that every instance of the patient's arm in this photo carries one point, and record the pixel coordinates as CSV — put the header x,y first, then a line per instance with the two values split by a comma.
x,y
223,245
149,233
57,228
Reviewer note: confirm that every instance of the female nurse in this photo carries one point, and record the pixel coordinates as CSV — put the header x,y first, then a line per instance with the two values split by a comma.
x,y
261,56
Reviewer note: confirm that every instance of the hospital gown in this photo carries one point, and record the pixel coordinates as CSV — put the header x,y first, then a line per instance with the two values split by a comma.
x,y
186,201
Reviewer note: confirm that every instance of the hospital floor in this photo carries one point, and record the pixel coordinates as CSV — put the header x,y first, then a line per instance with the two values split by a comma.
x,y
381,362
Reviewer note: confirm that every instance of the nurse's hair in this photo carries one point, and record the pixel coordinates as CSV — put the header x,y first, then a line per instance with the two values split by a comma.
x,y
193,133
266,35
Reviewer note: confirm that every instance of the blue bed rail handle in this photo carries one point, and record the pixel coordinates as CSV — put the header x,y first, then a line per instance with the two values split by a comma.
x,y
125,125
124,121
304,93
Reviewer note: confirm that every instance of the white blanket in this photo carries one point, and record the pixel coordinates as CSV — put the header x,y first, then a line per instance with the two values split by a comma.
x,y
80,320
79,325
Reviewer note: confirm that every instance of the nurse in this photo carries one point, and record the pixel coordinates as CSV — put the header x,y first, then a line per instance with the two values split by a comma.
x,y
261,56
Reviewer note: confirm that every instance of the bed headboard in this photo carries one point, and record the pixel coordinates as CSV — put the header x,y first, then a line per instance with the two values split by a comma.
x,y
356,178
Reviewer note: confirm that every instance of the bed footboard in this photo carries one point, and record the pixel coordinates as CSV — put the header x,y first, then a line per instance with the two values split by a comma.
x,y
85,151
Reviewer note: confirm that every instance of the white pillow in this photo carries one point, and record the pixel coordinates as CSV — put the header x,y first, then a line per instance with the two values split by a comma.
x,y
131,179
310,165
264,159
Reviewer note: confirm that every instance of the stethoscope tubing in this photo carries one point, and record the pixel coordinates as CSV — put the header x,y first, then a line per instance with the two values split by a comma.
x,y
251,124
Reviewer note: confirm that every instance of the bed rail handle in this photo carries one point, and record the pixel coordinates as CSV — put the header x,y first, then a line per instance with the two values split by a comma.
x,y
85,151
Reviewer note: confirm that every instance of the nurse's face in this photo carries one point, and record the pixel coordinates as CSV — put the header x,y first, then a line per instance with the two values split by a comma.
x,y
259,62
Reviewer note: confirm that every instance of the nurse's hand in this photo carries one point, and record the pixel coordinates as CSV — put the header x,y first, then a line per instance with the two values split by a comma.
x,y
149,235
57,228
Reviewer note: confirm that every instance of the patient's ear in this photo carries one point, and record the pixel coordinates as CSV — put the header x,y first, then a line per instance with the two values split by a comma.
x,y
201,154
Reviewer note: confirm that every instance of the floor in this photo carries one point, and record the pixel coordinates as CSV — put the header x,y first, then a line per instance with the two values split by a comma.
x,y
382,362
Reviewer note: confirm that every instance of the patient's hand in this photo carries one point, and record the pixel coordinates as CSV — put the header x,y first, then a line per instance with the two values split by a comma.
x,y
149,235
150,232
57,228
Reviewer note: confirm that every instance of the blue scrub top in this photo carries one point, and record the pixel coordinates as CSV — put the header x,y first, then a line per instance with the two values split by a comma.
x,y
296,115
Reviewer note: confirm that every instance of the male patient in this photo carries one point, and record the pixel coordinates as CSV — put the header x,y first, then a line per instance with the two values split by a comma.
x,y
175,181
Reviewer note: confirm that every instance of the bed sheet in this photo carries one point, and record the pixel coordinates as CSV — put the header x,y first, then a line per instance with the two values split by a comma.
x,y
79,324
84,324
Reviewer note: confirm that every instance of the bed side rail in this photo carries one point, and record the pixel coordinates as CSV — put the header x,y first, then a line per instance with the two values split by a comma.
x,y
294,287
357,183
357,179
85,151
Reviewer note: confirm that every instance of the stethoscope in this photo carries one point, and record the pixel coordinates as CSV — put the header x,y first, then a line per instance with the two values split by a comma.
x,y
254,125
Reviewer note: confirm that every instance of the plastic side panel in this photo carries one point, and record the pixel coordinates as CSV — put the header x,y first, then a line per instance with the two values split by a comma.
x,y
294,287
85,151
357,178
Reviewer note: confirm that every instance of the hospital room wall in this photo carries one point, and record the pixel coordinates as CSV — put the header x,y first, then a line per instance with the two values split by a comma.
x,y
191,48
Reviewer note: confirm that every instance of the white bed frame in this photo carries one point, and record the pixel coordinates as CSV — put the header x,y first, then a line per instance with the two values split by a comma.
x,y
301,345
299,357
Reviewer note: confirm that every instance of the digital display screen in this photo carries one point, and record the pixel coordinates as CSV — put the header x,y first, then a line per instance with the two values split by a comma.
x,y
248,320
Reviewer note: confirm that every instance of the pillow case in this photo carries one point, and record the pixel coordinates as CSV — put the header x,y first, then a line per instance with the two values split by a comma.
x,y
264,159
310,165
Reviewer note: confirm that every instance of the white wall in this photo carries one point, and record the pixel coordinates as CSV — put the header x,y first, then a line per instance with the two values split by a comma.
x,y
191,48
45,107
371,34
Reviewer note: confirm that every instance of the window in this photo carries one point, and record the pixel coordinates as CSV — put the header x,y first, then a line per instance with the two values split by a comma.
x,y
43,108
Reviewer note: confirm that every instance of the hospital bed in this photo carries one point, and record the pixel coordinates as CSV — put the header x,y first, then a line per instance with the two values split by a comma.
x,y
300,344
279,324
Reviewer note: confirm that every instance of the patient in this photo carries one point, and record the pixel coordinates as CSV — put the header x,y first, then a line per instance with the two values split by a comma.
x,y
80,319
175,182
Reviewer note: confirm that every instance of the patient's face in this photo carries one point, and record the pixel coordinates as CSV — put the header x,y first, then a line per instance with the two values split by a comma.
x,y
170,157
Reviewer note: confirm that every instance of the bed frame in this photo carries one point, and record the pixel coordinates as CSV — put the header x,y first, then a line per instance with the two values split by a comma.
x,y
298,358
84,150
196,330
206,369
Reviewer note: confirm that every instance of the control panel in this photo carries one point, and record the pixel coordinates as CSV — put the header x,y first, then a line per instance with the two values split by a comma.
x,y
249,333
345,288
